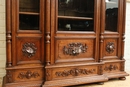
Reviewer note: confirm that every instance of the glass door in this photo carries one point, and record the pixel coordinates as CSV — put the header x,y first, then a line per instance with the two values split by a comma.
x,y
75,15
111,15
29,14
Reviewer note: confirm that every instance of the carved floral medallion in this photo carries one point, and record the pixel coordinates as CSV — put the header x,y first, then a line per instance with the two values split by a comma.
x,y
75,49
29,49
28,75
74,72
110,47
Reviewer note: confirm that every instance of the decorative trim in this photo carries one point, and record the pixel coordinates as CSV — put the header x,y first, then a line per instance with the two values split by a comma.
x,y
100,70
28,75
48,37
110,47
75,49
9,76
48,41
111,68
74,72
29,49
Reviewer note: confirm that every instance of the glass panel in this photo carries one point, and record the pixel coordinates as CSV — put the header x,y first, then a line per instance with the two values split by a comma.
x,y
75,15
29,5
75,25
29,22
29,14
111,15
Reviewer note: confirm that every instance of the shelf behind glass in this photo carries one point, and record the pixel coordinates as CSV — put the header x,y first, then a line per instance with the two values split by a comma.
x,y
75,25
28,22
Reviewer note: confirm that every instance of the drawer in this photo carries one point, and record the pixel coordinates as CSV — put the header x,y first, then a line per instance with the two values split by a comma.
x,y
23,75
58,73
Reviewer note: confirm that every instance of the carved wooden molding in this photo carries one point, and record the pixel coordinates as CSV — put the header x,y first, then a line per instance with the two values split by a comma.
x,y
29,49
74,72
9,76
75,49
111,68
110,47
28,75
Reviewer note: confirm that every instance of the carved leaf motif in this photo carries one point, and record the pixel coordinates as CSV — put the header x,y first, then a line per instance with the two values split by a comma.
x,y
29,49
28,75
111,68
75,49
74,72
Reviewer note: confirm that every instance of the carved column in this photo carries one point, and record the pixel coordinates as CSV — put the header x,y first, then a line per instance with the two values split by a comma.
x,y
47,32
8,33
103,9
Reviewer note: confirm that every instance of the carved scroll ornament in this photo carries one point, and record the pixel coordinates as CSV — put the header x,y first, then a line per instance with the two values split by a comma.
x,y
75,49
110,47
28,75
74,72
29,49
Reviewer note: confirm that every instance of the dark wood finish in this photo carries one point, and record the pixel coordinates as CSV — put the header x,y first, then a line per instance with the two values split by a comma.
x,y
48,57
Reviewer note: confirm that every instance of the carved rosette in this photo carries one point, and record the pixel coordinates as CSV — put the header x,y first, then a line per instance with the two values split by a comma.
x,y
75,49
74,72
28,75
111,68
110,47
29,49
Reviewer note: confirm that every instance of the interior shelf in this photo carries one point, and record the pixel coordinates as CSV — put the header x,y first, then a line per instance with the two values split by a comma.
x,y
29,13
77,18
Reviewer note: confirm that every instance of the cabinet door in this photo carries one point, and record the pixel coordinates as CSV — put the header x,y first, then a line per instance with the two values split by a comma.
x,y
28,31
112,28
74,29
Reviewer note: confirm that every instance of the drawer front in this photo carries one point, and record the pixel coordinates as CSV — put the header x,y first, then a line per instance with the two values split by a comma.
x,y
112,67
71,72
71,50
20,75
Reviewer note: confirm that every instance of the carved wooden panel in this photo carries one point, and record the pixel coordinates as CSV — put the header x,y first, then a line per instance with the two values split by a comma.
x,y
70,72
9,76
68,50
29,50
110,48
111,67
28,74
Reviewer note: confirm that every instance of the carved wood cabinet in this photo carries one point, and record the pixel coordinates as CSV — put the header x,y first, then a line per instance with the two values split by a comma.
x,y
53,43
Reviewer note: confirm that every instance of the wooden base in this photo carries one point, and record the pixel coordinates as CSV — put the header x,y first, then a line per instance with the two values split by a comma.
x,y
75,81
68,82
22,84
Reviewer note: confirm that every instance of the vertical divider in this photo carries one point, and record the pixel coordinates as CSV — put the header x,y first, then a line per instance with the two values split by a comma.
x,y
47,33
8,33
102,29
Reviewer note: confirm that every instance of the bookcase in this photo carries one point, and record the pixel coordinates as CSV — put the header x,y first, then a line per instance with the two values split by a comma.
x,y
56,43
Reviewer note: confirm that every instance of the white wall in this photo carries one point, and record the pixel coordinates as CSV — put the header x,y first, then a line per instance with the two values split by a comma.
x,y
2,38
127,40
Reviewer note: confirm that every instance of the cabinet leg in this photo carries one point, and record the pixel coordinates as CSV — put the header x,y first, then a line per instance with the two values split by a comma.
x,y
100,83
122,78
